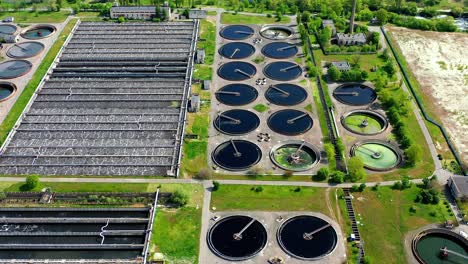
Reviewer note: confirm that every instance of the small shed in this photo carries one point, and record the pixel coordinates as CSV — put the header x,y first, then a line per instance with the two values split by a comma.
x,y
458,186
351,39
194,103
206,85
200,56
197,14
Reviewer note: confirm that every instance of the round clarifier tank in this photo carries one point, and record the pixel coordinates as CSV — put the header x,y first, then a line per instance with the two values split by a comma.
x,y
290,122
25,50
276,32
237,237
236,155
236,50
236,122
279,50
364,122
355,94
237,71
307,237
440,246
285,94
8,29
14,68
377,155
236,32
295,155
236,94
39,32
7,89
282,70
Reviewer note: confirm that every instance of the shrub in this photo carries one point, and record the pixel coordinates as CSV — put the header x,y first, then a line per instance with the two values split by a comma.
x,y
121,19
31,182
413,209
376,187
354,188
322,174
297,189
330,150
337,177
179,198
362,186
258,189
204,174
268,15
215,186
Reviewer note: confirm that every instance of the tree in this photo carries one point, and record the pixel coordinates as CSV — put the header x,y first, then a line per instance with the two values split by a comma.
x,y
59,4
382,16
216,186
356,169
178,198
325,36
389,68
305,17
322,174
121,19
334,73
31,182
337,177
362,186
413,154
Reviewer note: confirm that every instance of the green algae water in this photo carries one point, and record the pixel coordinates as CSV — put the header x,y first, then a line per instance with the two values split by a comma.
x,y
355,122
377,156
429,247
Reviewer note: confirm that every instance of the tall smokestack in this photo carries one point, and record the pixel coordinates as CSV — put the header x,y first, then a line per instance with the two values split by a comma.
x,y
351,21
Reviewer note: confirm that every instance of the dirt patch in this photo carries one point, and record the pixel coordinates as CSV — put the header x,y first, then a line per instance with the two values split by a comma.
x,y
439,61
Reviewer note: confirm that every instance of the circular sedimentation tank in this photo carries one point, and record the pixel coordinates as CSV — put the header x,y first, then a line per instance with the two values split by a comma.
x,y
295,155
39,32
8,29
364,122
276,32
307,237
377,155
25,50
290,122
236,155
282,70
237,237
236,94
236,32
236,50
14,68
355,94
440,246
7,89
279,50
236,122
237,71
285,94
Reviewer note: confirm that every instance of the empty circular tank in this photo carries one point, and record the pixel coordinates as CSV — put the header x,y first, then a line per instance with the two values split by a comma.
x,y
236,122
355,94
236,50
7,89
282,70
276,32
236,155
285,94
8,29
236,32
236,94
237,71
290,122
295,155
39,32
14,68
279,50
237,237
25,49
307,237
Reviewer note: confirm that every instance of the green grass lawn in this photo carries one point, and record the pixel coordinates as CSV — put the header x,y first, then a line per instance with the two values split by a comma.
x,y
30,88
83,187
272,198
37,17
261,108
202,72
229,18
208,33
386,218
177,234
